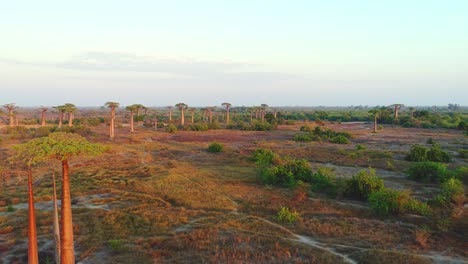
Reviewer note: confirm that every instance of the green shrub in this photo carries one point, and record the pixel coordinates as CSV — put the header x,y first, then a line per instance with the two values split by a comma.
x,y
264,156
303,137
324,181
198,127
428,172
300,168
215,147
287,174
385,202
364,184
307,129
115,244
171,128
417,207
453,191
215,125
417,153
360,147
463,153
10,208
436,154
285,215
340,139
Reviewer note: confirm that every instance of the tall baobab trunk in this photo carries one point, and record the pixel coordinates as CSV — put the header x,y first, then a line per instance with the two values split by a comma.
x,y
227,116
12,121
70,119
61,119
16,121
251,117
43,118
155,123
132,129
262,113
67,254
182,118
32,232
170,116
193,114
275,113
375,123
111,127
56,224
210,117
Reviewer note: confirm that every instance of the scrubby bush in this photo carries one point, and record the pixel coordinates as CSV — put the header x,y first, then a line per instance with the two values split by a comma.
x,y
340,139
79,129
215,147
428,172
388,201
453,191
115,244
417,207
287,174
303,137
197,127
436,154
324,181
264,156
463,153
417,153
364,184
215,125
285,215
171,128
361,147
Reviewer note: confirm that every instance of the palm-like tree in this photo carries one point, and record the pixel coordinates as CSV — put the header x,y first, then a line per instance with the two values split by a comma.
x,y
133,108
396,108
70,109
43,111
376,112
112,106
61,109
169,110
192,113
210,114
10,107
227,106
263,108
182,107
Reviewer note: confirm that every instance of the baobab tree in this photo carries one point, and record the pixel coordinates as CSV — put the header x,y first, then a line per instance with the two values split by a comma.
x,y
70,109
192,113
210,114
412,109
61,109
10,107
396,108
227,106
30,154
169,109
56,222
132,108
43,111
376,112
263,108
182,107
63,146
112,106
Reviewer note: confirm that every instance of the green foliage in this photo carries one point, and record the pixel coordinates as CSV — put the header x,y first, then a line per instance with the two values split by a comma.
x,y
264,156
340,139
364,184
10,208
361,147
417,153
428,172
437,154
215,147
171,128
215,125
453,191
388,201
115,244
303,137
287,174
463,153
324,181
80,130
285,215
198,127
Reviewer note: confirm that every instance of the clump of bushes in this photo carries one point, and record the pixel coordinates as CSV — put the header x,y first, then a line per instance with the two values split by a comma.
x,y
364,184
255,126
421,153
388,201
285,215
197,127
287,174
324,180
428,172
171,128
453,191
263,156
318,134
215,147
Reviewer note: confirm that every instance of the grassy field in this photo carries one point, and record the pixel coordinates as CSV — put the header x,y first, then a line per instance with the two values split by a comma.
x,y
157,197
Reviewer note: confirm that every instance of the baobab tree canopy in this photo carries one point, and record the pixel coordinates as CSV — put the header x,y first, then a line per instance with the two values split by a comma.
x,y
32,152
64,145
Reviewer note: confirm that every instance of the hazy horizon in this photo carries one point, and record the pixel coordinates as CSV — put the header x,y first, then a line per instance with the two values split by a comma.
x,y
297,53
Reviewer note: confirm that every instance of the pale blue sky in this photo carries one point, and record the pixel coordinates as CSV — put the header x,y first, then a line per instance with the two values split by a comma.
x,y
245,52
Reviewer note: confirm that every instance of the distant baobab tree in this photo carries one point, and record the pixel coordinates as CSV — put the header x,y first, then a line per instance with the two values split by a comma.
x,y
133,109
227,106
396,108
263,109
10,107
210,114
275,112
43,111
377,112
169,109
411,110
182,107
61,109
112,106
192,113
70,109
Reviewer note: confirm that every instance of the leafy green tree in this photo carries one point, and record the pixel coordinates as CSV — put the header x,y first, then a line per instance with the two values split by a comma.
x,y
10,108
70,109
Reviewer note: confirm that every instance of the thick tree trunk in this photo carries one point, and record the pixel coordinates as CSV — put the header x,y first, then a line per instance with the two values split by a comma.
x,y
170,116
70,119
132,129
375,123
155,123
182,118
193,117
32,234
10,114
211,117
227,116
43,119
251,117
61,119
111,127
67,254
56,224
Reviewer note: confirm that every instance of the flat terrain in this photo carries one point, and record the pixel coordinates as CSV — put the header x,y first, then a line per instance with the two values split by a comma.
x,y
157,197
